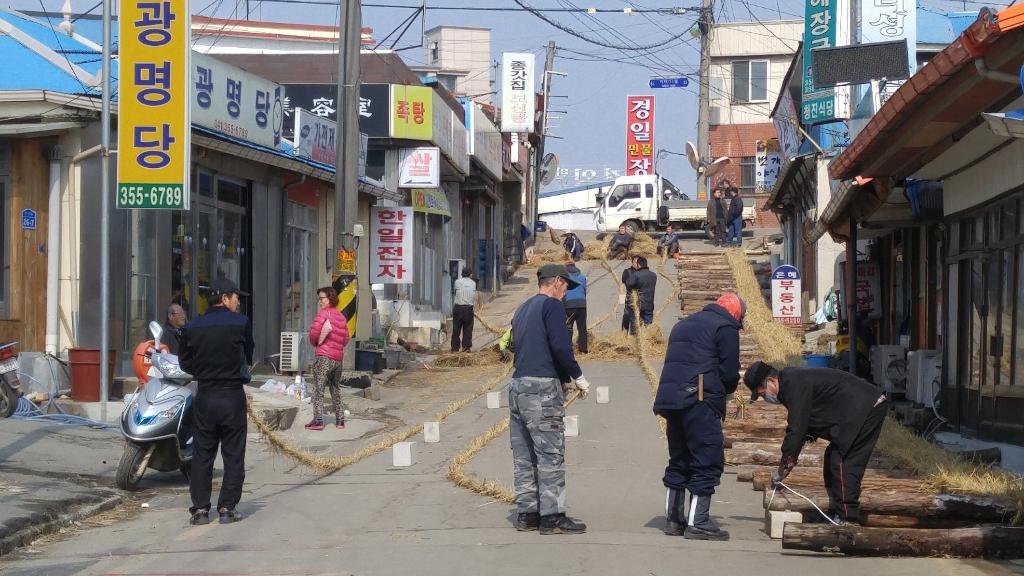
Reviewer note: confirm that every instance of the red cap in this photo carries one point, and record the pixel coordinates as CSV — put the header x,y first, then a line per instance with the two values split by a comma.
x,y
733,304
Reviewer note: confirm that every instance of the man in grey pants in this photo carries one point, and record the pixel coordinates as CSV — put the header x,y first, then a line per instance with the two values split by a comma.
x,y
544,370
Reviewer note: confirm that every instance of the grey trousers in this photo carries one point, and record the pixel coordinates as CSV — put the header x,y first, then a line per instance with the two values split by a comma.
x,y
537,406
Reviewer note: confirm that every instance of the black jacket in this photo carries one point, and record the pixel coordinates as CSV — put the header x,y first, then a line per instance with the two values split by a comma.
x,y
824,403
216,348
171,337
735,208
707,343
643,281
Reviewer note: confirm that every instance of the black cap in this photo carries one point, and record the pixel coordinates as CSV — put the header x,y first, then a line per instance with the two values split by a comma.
x,y
225,286
556,271
755,375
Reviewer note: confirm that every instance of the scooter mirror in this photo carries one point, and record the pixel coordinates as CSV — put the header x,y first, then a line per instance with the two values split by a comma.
x,y
156,330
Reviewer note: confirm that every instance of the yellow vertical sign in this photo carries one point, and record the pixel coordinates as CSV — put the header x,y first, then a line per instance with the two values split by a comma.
x,y
153,105
345,283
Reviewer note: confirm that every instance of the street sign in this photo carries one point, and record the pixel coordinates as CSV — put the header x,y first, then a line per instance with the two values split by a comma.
x,y
786,295
28,219
669,82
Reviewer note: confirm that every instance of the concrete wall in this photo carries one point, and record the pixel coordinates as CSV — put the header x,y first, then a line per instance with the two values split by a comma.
x,y
997,174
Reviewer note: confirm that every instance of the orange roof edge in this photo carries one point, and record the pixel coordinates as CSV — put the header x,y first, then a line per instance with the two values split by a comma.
x,y
1012,17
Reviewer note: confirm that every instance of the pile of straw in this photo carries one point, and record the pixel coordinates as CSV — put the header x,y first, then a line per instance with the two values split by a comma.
x,y
487,357
776,344
644,245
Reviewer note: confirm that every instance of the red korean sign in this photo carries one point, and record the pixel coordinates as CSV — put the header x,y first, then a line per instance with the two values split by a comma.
x,y
391,249
639,135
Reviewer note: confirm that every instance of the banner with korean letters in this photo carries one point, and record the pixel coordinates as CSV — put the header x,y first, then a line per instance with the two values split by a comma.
x,y
885,21
391,245
786,295
315,137
153,136
518,101
419,167
769,165
639,135
231,101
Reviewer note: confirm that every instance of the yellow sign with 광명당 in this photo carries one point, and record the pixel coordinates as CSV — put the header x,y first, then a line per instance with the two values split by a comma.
x,y
153,105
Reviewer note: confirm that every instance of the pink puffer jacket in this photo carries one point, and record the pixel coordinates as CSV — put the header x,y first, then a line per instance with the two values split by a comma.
x,y
333,346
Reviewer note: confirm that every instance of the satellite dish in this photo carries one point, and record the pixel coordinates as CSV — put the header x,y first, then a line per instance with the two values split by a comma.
x,y
692,156
716,166
548,168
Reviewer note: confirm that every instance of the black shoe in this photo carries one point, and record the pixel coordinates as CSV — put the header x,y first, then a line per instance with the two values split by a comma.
x,y
229,516
561,524
675,512
694,533
701,526
200,518
527,521
838,520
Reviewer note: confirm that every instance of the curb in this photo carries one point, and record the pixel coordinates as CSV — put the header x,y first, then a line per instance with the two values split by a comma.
x,y
51,521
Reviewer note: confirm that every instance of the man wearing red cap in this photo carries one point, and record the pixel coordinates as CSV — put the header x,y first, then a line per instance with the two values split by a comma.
x,y
701,368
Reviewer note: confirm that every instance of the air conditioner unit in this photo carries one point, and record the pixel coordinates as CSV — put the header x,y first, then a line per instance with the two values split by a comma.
x,y
924,373
889,368
291,343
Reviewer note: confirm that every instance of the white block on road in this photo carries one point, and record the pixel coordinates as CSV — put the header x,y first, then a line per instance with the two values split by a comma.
x,y
775,521
494,400
403,454
431,432
572,425
603,395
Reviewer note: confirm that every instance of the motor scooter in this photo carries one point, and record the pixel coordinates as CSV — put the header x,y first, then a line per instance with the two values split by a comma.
x,y
156,421
10,385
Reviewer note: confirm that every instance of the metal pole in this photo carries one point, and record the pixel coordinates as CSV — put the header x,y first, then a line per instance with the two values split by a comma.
x,y
549,62
851,293
105,215
705,23
346,185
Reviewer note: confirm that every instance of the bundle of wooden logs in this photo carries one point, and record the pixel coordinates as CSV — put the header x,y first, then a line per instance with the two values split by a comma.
x,y
901,515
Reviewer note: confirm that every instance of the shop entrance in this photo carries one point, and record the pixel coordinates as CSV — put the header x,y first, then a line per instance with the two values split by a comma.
x,y
300,274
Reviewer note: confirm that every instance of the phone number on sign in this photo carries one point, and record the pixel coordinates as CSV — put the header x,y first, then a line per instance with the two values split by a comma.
x,y
149,196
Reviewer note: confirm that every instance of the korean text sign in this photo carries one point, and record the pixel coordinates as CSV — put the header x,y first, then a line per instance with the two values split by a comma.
x,y
819,32
411,112
639,135
153,109
869,297
391,250
231,101
517,98
769,164
786,295
419,167
888,20
315,137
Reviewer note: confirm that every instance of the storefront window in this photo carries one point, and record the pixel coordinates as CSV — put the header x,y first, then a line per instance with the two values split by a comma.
x,y
181,259
142,287
300,274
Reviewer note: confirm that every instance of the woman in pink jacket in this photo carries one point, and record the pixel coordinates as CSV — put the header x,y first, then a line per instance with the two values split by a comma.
x,y
329,334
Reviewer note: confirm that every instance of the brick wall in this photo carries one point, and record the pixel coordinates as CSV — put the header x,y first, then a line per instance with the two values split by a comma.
x,y
737,141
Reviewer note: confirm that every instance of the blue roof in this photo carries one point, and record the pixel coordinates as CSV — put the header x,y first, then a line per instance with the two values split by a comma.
x,y
576,189
935,26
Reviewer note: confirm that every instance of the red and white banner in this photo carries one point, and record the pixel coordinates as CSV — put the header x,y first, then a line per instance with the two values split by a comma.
x,y
391,250
419,167
639,135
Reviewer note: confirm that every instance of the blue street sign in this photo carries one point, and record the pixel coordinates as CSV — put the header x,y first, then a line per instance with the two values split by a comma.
x,y
28,219
670,82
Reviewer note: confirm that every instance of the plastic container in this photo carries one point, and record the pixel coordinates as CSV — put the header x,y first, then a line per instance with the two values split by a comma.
x,y
369,361
818,361
393,358
85,373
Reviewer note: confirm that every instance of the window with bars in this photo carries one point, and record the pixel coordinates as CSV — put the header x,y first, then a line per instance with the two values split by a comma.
x,y
750,81
748,174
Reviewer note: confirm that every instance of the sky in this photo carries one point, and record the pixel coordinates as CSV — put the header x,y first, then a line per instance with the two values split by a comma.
x,y
592,96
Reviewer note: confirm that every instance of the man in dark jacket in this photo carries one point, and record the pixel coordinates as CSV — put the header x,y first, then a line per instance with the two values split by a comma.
x,y
832,405
701,368
572,246
642,282
576,307
171,336
669,242
716,217
735,219
620,243
216,349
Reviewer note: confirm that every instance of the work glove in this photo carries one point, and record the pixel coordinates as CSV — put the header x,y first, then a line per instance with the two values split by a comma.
x,y
582,385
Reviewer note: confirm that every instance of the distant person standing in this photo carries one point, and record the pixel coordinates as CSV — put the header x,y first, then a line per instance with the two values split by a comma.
x,y
735,219
171,336
329,335
462,314
576,307
643,282
716,214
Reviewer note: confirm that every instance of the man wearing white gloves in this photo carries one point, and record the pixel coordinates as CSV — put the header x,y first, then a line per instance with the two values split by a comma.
x,y
545,369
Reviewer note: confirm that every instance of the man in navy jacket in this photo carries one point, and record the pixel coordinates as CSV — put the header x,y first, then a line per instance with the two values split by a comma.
x,y
701,368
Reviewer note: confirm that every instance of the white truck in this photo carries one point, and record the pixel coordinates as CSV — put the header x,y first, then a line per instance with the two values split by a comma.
x,y
650,202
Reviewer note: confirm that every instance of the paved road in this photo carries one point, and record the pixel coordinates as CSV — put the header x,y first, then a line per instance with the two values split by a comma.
x,y
374,519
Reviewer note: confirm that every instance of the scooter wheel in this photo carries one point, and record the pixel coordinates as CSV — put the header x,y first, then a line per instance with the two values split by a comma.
x,y
8,401
128,473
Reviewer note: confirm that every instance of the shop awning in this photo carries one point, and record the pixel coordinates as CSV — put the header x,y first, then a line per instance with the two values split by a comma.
x,y
797,177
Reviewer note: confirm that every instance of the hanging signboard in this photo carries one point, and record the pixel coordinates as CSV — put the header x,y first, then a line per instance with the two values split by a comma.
x,y
784,119
819,32
786,295
419,167
885,21
391,246
412,112
769,165
869,297
639,135
236,103
518,101
374,115
315,136
154,134
431,201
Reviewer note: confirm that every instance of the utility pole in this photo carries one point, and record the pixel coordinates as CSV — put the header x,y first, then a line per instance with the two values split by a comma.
x,y
549,63
105,213
346,183
704,24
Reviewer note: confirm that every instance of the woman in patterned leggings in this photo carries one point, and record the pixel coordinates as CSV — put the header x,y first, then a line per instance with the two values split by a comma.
x,y
329,334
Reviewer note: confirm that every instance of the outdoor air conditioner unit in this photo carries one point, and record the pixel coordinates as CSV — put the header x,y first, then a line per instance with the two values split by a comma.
x,y
924,372
291,343
889,368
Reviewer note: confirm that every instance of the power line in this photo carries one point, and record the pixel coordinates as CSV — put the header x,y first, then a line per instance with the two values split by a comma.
x,y
663,11
585,38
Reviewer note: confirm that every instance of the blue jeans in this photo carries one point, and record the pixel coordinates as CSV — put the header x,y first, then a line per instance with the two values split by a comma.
x,y
735,232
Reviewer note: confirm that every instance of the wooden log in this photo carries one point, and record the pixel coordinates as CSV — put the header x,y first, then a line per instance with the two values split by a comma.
x,y
755,428
951,506
890,521
776,445
735,456
801,478
994,543
747,472
731,439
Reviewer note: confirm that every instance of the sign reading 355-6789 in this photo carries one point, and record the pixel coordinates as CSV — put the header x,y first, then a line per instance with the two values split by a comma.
x,y
153,106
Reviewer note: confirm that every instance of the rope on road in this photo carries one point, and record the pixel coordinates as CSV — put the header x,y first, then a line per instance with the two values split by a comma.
x,y
333,463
